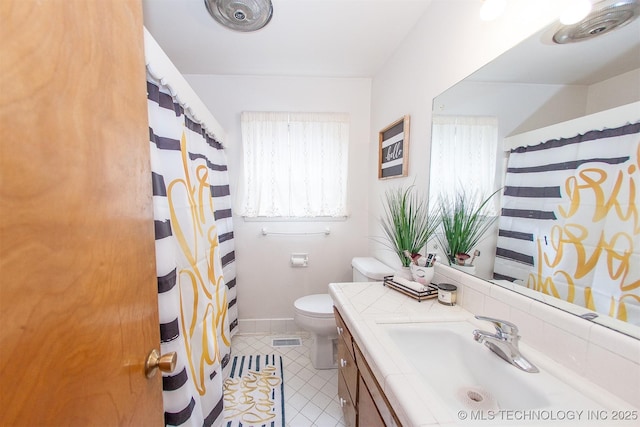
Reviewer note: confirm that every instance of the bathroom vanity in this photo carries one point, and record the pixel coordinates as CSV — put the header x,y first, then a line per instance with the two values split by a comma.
x,y
362,399
389,345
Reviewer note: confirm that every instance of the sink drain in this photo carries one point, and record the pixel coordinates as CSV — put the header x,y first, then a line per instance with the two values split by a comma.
x,y
477,398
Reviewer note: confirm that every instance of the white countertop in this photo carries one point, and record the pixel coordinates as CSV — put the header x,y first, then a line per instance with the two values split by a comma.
x,y
365,306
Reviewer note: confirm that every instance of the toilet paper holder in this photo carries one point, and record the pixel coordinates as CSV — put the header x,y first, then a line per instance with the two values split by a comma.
x,y
299,260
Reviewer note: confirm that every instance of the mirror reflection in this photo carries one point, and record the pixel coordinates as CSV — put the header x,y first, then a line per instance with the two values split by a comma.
x,y
557,127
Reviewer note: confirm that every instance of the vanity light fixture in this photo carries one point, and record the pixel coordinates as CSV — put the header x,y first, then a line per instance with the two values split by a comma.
x,y
576,11
492,9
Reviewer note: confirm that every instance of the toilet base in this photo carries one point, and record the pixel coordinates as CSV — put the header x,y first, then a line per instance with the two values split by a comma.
x,y
323,352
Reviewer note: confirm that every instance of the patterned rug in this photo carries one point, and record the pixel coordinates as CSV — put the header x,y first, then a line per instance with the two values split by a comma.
x,y
254,392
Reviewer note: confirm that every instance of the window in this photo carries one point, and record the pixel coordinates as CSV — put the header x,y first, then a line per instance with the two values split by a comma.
x,y
295,164
463,157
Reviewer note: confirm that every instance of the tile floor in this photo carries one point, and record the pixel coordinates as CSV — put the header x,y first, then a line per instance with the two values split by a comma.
x,y
311,396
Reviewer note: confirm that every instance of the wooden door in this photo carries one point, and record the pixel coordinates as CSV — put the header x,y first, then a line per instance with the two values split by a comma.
x,y
78,296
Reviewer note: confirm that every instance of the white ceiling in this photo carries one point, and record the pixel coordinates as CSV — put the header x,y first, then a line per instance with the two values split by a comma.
x,y
327,38
354,38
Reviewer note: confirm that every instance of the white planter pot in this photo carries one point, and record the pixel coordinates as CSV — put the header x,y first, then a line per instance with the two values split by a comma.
x,y
422,275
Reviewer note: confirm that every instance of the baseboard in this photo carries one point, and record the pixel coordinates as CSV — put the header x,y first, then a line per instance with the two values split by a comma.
x,y
267,326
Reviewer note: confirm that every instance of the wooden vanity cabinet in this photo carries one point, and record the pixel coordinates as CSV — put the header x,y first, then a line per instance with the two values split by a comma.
x,y
369,415
373,405
361,397
347,373
347,403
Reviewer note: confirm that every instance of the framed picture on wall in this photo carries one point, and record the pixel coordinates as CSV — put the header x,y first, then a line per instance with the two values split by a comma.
x,y
393,151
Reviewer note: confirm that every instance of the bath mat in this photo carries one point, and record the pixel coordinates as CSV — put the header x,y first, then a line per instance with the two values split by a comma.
x,y
254,392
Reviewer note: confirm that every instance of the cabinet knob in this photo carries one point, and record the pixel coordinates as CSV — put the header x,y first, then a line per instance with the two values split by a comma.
x,y
340,330
343,402
343,363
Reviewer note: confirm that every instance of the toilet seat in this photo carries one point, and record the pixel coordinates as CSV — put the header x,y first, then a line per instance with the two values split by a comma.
x,y
318,306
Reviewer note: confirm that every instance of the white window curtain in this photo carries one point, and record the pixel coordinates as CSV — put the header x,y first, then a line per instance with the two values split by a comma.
x,y
463,156
295,164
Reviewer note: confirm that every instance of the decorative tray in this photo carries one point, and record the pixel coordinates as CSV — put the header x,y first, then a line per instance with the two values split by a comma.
x,y
430,292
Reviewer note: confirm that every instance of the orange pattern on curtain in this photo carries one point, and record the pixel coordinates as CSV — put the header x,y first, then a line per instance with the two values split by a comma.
x,y
203,316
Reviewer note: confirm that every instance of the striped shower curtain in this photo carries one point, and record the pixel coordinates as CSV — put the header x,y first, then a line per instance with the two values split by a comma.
x,y
570,224
195,259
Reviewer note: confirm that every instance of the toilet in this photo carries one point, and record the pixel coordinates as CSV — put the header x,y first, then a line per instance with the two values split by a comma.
x,y
369,269
314,313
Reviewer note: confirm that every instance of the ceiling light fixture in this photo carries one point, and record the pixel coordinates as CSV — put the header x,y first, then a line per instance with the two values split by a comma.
x,y
605,16
241,15
492,9
576,11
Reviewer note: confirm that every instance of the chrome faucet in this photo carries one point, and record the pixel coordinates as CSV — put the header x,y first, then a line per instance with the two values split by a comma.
x,y
504,342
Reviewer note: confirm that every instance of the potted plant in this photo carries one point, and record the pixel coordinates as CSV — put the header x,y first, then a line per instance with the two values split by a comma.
x,y
407,223
464,221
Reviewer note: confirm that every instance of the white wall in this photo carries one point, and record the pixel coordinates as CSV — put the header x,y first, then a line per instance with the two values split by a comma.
x,y
267,284
524,107
447,44
519,107
616,91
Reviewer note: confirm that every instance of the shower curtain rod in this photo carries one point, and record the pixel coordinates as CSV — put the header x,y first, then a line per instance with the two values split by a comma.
x,y
164,71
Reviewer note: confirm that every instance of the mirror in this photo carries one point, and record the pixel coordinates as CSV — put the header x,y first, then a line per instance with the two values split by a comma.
x,y
537,85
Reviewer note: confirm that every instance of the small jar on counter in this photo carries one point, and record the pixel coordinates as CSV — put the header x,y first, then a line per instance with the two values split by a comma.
x,y
447,293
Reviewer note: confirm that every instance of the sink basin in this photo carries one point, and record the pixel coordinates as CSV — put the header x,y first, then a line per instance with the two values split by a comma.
x,y
468,376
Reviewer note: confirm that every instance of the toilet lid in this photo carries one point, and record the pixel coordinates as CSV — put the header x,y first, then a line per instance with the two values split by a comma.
x,y
371,267
318,305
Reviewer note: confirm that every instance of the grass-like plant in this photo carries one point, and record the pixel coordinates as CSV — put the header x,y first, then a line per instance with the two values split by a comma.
x,y
407,223
464,222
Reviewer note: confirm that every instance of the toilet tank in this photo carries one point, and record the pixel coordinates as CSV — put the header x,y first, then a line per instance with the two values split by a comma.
x,y
369,269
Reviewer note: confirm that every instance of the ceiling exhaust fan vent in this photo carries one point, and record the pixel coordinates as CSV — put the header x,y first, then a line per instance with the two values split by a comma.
x,y
606,16
241,15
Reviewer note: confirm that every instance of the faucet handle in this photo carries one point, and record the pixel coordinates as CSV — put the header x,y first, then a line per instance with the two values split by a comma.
x,y
502,326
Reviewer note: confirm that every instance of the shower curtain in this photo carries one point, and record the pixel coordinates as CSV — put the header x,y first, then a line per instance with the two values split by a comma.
x,y
570,225
195,259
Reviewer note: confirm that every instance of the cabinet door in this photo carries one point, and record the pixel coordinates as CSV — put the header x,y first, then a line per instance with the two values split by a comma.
x,y
343,332
375,392
348,408
348,369
369,415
